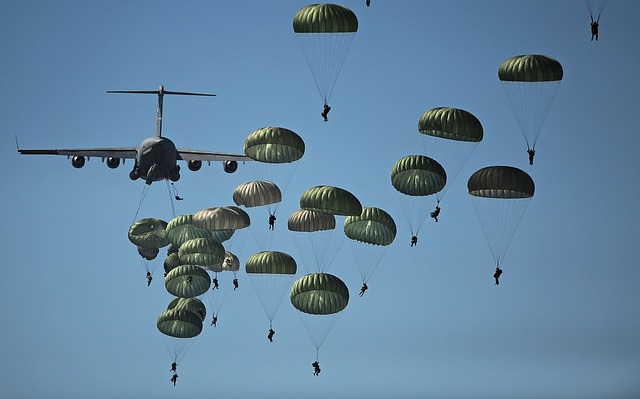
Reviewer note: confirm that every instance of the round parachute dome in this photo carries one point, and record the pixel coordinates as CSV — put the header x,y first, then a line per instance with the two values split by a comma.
x,y
374,226
181,229
187,281
325,18
329,199
257,193
274,145
309,221
194,305
179,323
221,218
319,294
271,262
417,175
504,182
171,262
149,233
451,123
201,252
530,68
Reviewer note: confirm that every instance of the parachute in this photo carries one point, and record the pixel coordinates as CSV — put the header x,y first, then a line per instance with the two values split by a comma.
x,y
325,33
271,273
203,252
276,150
319,298
148,235
417,177
178,324
531,82
500,196
332,200
449,135
258,197
221,218
181,229
315,236
187,281
370,235
194,305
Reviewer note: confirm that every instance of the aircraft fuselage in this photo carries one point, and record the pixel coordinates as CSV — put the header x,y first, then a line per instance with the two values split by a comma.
x,y
159,151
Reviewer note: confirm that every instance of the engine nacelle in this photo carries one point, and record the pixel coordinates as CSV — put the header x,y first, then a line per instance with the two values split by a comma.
x,y
77,161
113,163
194,165
230,166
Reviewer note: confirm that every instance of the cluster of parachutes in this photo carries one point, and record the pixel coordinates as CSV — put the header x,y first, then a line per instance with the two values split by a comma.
x,y
449,136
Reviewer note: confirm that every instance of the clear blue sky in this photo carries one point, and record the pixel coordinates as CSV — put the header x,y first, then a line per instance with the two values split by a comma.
x,y
79,320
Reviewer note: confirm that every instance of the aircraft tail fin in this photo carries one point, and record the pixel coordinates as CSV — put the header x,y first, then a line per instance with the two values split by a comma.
x,y
160,93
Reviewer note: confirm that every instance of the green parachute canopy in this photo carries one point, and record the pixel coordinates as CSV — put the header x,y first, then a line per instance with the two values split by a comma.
x,y
418,175
149,233
271,262
171,262
374,226
451,124
504,182
530,83
187,281
319,294
304,220
203,252
530,68
181,229
329,199
325,18
179,323
325,33
221,218
193,305
274,145
257,193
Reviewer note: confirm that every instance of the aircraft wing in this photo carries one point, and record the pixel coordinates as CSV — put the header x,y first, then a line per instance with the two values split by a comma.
x,y
208,156
116,152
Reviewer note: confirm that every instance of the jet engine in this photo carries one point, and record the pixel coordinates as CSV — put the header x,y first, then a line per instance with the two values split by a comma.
x,y
194,165
230,166
113,162
77,161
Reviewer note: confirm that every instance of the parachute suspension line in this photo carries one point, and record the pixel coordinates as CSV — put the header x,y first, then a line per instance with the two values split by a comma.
x,y
500,219
531,103
171,197
325,54
145,190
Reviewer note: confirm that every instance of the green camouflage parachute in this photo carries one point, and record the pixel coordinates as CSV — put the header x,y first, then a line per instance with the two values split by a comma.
x,y
329,199
274,145
179,323
187,281
418,175
193,305
271,262
373,226
149,233
501,182
319,294
257,193
221,218
203,252
451,124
